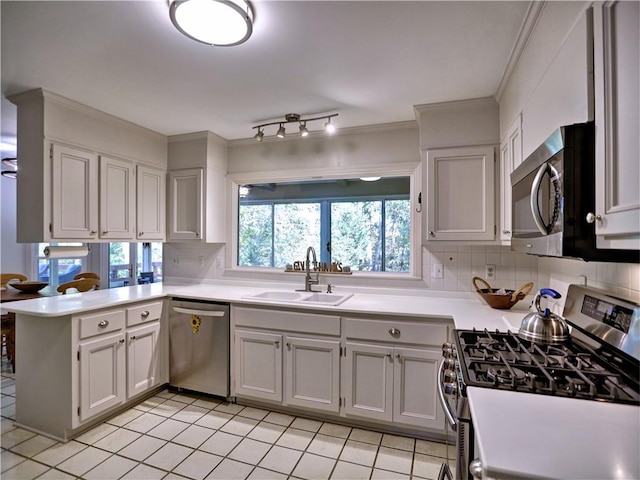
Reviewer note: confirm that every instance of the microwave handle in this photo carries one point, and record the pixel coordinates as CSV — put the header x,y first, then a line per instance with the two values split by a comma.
x,y
533,198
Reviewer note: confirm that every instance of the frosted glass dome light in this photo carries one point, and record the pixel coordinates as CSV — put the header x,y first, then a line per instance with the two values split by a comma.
x,y
214,22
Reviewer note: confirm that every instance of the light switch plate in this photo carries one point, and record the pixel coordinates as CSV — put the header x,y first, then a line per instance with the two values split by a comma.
x,y
436,271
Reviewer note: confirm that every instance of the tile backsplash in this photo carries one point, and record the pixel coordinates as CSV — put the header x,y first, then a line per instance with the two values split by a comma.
x,y
460,263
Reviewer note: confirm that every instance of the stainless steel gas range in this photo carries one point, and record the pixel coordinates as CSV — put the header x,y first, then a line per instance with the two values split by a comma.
x,y
600,362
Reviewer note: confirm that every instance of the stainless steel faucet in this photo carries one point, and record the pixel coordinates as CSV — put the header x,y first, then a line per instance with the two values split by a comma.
x,y
308,281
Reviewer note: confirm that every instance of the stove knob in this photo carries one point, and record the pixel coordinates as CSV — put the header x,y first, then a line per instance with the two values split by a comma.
x,y
450,363
448,350
451,388
449,376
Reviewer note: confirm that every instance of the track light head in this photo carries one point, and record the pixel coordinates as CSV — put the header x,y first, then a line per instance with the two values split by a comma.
x,y
329,127
281,132
304,131
259,136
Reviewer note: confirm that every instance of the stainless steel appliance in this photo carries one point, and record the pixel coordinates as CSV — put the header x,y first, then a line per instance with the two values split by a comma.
x,y
553,199
599,362
199,346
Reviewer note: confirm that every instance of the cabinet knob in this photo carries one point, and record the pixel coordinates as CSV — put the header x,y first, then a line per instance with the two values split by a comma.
x,y
289,345
133,338
398,356
394,332
104,232
276,343
121,341
592,217
388,356
431,234
93,232
197,234
141,233
145,314
506,232
103,324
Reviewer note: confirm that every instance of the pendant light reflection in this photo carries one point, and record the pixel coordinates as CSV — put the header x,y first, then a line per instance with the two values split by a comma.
x,y
219,23
12,163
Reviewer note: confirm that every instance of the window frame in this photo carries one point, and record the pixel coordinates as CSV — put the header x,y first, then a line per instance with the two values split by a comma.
x,y
411,170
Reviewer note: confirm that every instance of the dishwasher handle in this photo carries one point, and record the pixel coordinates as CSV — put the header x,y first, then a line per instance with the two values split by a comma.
x,y
201,313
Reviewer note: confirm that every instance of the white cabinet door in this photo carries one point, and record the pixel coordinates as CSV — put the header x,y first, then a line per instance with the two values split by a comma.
x,y
102,375
151,200
415,399
117,199
460,194
510,158
368,381
143,357
186,207
74,193
258,365
617,118
313,373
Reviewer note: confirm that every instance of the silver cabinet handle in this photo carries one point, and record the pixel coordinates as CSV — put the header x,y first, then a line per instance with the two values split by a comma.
x,y
276,343
506,232
388,355
103,324
592,217
394,332
121,341
104,232
145,314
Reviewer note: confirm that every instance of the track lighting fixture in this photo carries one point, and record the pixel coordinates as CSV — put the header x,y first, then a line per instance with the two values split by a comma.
x,y
295,118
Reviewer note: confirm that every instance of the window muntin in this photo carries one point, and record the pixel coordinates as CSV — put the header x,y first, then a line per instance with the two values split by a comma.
x,y
365,225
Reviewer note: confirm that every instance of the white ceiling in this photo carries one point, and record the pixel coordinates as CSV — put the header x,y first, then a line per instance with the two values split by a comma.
x,y
370,62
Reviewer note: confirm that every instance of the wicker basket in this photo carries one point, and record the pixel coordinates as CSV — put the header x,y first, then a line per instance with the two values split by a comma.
x,y
501,301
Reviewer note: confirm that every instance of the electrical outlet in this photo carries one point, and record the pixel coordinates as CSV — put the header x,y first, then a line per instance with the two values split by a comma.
x,y
436,271
176,262
490,272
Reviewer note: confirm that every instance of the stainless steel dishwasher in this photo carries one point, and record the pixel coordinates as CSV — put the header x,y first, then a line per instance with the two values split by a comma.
x,y
199,346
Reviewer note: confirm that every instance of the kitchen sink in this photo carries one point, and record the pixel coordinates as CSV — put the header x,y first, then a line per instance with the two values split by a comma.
x,y
318,298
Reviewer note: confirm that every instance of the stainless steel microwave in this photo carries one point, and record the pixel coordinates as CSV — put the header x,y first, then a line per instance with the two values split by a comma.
x,y
552,192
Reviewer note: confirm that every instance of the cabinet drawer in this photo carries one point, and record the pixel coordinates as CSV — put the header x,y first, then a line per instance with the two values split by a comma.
x,y
287,320
396,332
144,313
100,323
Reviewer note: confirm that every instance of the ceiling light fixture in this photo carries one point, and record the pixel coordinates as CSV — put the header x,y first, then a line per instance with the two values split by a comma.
x,y
295,118
219,23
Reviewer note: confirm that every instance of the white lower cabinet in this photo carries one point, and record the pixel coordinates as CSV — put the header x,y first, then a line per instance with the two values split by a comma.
x,y
102,374
377,369
258,362
88,365
142,358
313,373
311,369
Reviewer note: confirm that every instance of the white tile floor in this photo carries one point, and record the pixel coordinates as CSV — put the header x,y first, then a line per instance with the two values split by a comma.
x,y
178,436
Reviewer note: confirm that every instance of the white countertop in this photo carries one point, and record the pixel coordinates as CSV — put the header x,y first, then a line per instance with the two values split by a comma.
x,y
519,435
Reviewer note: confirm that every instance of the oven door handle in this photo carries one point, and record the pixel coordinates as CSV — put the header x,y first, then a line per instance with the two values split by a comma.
x,y
443,401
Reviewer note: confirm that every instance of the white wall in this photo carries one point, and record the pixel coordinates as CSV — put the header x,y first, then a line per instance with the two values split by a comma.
x,y
12,254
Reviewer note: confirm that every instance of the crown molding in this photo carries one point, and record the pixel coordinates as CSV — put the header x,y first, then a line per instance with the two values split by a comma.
x,y
524,36
455,104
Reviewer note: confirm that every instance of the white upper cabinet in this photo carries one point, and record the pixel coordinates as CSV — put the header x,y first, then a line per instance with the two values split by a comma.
x,y
74,182
117,199
460,194
510,158
77,170
151,201
186,204
617,117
